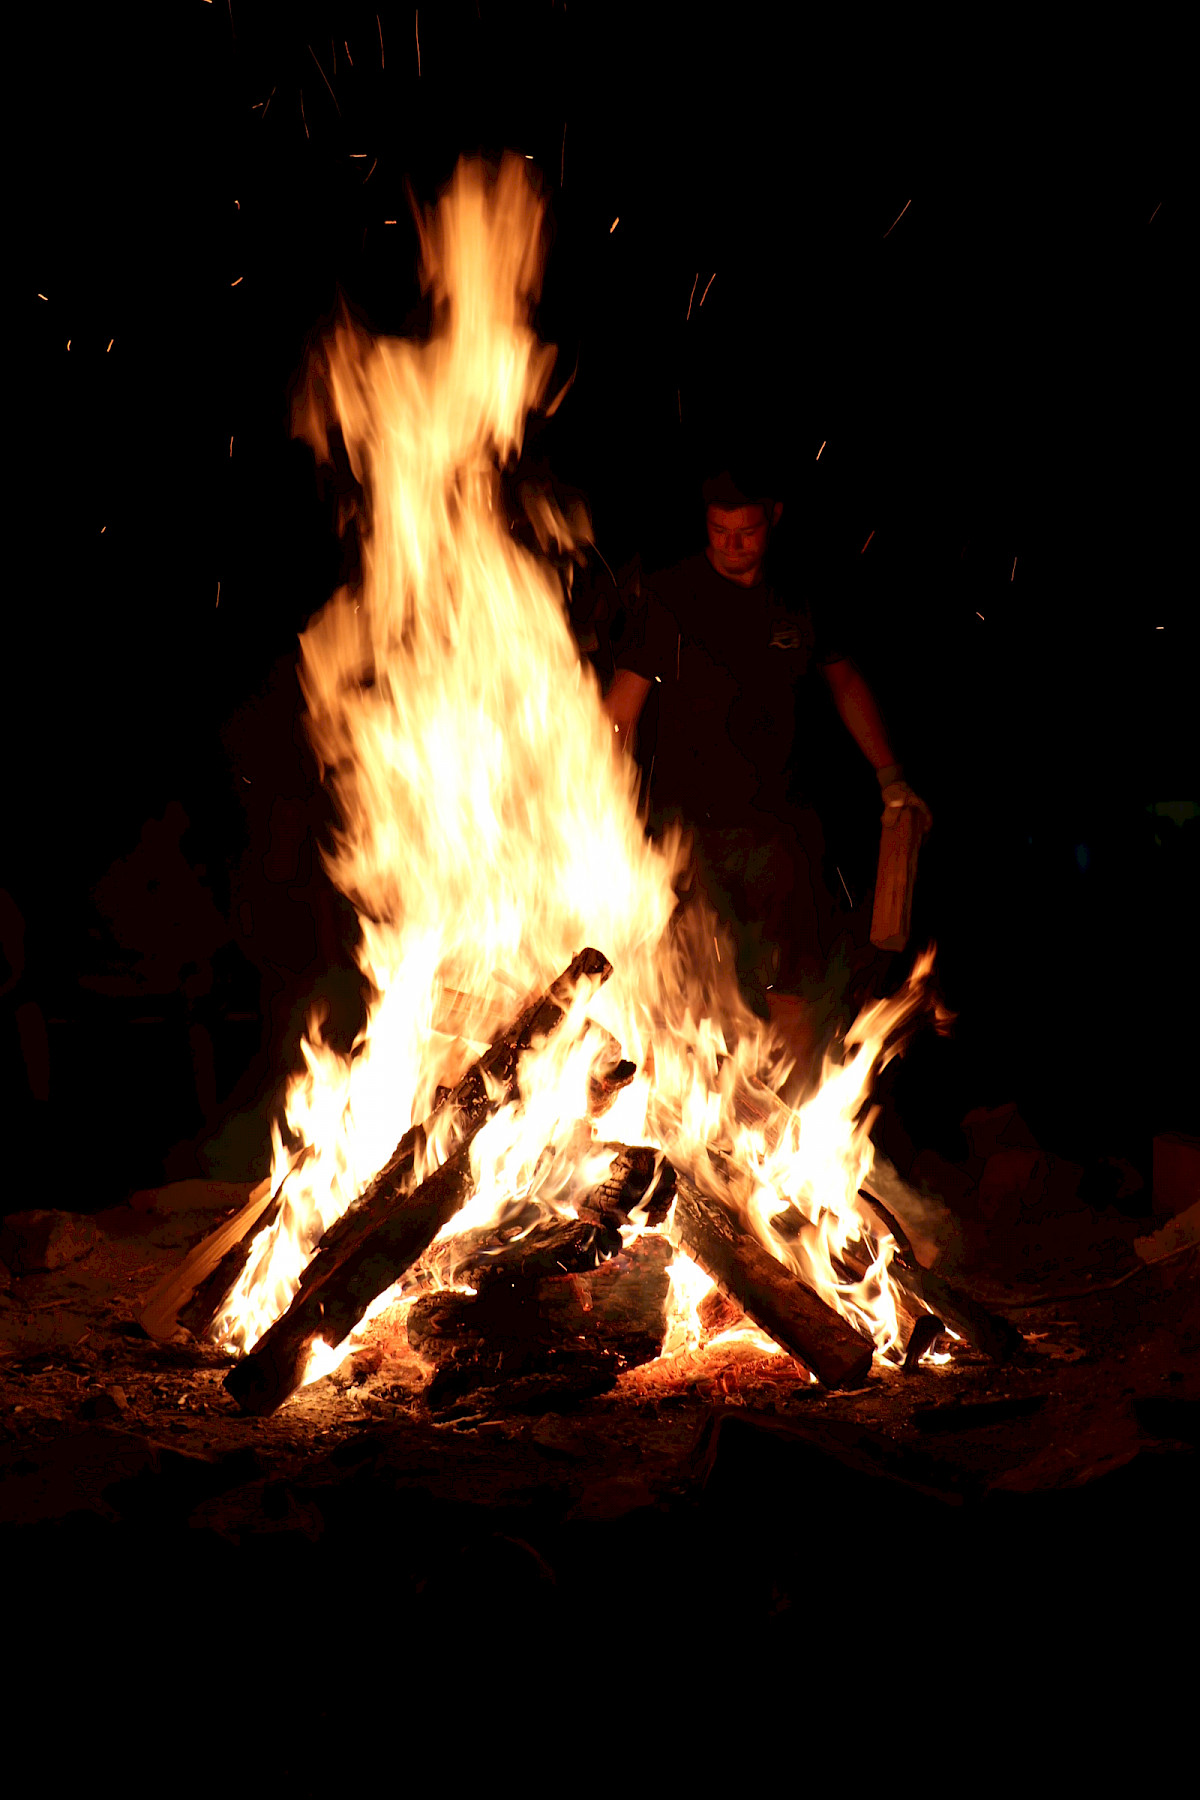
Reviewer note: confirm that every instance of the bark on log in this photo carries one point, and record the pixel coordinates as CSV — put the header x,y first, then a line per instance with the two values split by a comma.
x,y
385,1232
770,1294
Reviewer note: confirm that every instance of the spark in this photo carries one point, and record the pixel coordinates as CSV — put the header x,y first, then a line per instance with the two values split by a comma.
x,y
306,130
692,296
358,156
231,446
240,278
842,879
861,552
614,225
370,172
381,61
897,218
111,342
1150,221
717,948
45,297
1160,628
711,279
979,615
218,604
346,48
270,97
68,343
238,204
389,221
1013,572
325,79
417,33
103,529
824,441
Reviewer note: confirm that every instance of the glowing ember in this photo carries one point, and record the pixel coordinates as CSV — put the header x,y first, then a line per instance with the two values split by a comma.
x,y
489,829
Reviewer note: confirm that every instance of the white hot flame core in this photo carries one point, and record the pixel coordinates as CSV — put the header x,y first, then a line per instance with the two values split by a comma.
x,y
489,830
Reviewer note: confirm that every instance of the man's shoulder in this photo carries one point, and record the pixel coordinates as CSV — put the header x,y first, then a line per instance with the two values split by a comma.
x,y
679,579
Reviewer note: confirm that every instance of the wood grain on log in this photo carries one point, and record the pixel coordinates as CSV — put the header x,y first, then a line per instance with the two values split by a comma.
x,y
392,1224
229,1242
768,1293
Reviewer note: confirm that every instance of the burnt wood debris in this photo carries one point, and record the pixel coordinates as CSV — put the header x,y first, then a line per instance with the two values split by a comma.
x,y
566,1305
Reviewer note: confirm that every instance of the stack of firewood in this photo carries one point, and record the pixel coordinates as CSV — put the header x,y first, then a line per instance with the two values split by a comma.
x,y
565,1302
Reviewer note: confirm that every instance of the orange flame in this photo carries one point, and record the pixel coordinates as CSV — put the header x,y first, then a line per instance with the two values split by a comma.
x,y
489,829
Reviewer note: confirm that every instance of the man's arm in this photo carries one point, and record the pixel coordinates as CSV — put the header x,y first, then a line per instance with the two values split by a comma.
x,y
623,704
859,712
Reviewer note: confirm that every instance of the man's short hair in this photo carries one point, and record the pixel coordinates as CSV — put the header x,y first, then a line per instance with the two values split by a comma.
x,y
730,489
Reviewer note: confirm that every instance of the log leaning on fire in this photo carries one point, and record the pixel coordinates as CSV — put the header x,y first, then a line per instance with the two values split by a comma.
x,y
769,1293
390,1227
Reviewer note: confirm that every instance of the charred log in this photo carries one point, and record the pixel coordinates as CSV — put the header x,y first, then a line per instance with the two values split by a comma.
x,y
985,1331
587,1323
385,1232
770,1294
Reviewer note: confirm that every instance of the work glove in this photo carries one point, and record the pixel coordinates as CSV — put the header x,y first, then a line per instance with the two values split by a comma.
x,y
897,794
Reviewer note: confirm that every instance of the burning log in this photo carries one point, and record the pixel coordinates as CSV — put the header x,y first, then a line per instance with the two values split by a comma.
x,y
210,1271
390,1226
544,1309
769,1293
985,1331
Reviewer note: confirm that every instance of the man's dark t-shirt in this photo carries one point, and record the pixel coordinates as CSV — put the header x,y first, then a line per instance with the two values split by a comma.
x,y
729,665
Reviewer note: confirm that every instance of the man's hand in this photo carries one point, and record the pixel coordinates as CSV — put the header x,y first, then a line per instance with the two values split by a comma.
x,y
896,796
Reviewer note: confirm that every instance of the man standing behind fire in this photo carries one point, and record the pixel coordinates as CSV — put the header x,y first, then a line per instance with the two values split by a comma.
x,y
731,660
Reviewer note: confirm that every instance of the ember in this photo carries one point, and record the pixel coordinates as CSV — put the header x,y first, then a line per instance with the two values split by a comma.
x,y
489,828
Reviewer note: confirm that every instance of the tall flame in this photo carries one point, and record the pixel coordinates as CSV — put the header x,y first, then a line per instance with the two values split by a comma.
x,y
489,828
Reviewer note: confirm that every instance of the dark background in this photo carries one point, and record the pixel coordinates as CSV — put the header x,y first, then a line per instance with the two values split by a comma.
x,y
995,376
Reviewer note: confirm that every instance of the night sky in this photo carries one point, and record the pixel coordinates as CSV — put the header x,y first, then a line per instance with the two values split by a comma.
x,y
956,265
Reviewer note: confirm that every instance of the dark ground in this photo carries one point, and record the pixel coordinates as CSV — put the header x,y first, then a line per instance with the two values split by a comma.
x,y
713,1523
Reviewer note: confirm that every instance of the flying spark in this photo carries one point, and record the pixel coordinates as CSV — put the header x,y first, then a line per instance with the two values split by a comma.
x,y
417,32
111,342
218,594
842,879
270,97
231,446
1150,221
824,441
325,79
614,225
234,283
306,130
43,296
346,48
865,545
381,61
979,615
1013,573
897,218
692,296
711,279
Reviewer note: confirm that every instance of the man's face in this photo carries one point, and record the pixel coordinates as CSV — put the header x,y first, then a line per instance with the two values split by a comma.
x,y
737,537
